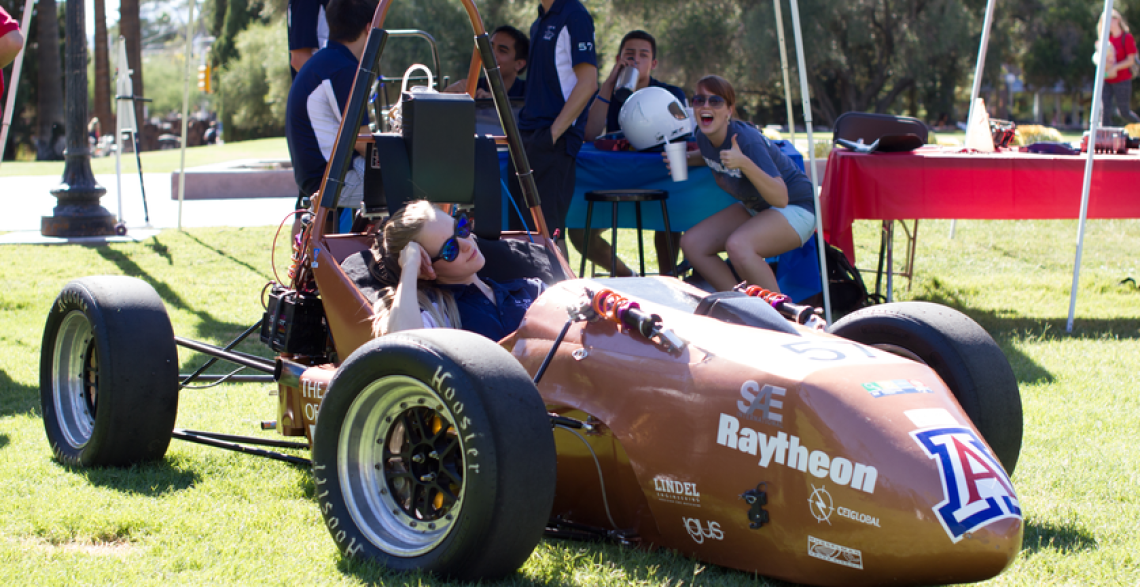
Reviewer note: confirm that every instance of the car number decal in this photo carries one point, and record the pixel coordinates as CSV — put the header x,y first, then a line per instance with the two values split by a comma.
x,y
815,350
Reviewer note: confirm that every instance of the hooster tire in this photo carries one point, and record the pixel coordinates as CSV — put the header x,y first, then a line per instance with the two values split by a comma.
x,y
433,451
108,373
962,353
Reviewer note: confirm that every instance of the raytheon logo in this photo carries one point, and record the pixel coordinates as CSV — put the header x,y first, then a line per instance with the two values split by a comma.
x,y
786,450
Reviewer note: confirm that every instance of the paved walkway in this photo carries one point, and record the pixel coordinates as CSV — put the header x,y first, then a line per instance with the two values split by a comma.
x,y
24,200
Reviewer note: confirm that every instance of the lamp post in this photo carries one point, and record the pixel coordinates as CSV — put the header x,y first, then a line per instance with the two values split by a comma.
x,y
77,212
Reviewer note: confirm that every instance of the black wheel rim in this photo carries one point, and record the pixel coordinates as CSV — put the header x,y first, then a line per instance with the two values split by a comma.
x,y
401,466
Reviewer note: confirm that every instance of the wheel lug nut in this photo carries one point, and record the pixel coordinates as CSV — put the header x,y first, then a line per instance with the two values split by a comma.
x,y
434,455
428,478
418,458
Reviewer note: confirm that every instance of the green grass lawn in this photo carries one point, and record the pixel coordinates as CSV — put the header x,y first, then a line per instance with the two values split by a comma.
x,y
204,516
161,161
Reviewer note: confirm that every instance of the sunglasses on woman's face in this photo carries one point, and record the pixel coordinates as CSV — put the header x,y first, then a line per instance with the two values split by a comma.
x,y
713,101
450,249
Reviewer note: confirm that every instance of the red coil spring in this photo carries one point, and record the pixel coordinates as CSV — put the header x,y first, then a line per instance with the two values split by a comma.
x,y
612,305
771,297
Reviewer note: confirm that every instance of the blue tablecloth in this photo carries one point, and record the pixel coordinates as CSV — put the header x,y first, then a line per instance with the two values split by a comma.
x,y
690,202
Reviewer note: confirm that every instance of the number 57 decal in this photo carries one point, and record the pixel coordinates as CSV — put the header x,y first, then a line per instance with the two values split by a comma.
x,y
827,351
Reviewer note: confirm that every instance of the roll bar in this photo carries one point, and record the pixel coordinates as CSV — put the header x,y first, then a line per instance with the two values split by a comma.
x,y
333,181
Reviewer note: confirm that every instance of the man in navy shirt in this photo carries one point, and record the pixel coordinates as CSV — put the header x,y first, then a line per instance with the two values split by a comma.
x,y
562,79
318,97
637,49
308,29
511,48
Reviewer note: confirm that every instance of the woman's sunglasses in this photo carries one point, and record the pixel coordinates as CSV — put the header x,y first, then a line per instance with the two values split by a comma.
x,y
450,249
713,101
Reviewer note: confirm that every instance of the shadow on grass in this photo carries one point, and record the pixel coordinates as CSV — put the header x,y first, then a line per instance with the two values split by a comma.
x,y
1042,536
3,441
1008,326
226,255
160,249
16,398
208,325
152,479
564,563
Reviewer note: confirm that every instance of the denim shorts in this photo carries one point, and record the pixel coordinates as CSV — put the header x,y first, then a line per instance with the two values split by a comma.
x,y
802,221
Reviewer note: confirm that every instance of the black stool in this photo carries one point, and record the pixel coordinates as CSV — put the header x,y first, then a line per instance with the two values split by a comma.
x,y
616,197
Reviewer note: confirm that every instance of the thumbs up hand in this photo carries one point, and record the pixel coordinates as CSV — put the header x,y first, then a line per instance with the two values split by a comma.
x,y
733,158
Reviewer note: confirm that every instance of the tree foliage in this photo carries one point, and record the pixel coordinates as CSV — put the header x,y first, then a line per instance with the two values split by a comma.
x,y
254,85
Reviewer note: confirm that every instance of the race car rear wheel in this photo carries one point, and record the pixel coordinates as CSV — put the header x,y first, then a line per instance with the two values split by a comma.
x,y
433,451
961,352
108,373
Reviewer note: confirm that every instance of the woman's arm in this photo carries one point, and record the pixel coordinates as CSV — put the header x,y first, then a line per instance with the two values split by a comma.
x,y
772,189
405,312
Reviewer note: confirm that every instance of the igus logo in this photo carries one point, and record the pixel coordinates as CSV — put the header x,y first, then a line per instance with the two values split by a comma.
x,y
698,532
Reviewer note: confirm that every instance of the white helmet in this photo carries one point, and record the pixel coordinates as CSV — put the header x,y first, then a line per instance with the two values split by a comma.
x,y
652,117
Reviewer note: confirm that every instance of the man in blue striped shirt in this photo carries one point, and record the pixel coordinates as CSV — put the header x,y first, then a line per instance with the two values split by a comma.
x,y
318,97
562,77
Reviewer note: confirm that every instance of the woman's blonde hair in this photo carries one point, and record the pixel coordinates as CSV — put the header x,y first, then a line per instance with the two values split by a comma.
x,y
1115,14
401,229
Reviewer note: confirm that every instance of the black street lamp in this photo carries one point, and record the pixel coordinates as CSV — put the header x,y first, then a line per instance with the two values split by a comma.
x,y
77,212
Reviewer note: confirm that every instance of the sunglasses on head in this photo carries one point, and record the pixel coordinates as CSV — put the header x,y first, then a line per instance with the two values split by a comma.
x,y
713,100
450,249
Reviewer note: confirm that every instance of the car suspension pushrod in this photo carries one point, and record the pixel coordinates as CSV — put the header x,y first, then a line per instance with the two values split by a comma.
x,y
256,363
187,378
210,439
195,375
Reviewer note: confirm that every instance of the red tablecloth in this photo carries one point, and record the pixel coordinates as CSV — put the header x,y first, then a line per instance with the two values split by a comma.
x,y
932,183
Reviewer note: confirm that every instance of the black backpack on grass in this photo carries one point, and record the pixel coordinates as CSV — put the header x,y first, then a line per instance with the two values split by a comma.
x,y
845,284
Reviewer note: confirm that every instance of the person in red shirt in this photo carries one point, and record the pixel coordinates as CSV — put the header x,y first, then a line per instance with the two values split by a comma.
x,y
11,41
1118,72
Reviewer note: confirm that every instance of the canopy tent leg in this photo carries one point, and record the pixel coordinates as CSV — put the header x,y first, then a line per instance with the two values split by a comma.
x,y
185,110
784,68
805,95
1094,126
25,24
977,87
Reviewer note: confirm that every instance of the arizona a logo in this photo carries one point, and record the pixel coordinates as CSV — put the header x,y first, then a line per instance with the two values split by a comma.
x,y
977,491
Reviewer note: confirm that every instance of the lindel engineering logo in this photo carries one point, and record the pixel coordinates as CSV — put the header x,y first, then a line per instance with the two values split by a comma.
x,y
677,492
785,449
976,491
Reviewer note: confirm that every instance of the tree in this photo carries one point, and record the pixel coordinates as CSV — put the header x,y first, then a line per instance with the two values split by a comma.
x,y
49,107
102,70
131,29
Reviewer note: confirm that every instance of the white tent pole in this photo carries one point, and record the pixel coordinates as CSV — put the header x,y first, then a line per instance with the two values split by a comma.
x,y
11,102
124,115
1094,126
185,111
821,245
977,88
784,66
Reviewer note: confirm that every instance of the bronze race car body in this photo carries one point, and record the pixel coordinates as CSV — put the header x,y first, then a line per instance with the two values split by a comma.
x,y
871,471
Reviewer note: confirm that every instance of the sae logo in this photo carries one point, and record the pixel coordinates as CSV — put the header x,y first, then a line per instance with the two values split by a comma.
x,y
976,490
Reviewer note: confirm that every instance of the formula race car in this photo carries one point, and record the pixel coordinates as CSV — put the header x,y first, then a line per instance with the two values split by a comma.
x,y
735,427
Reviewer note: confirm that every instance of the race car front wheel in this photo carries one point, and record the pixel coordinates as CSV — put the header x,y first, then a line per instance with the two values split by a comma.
x,y
433,451
961,352
108,373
